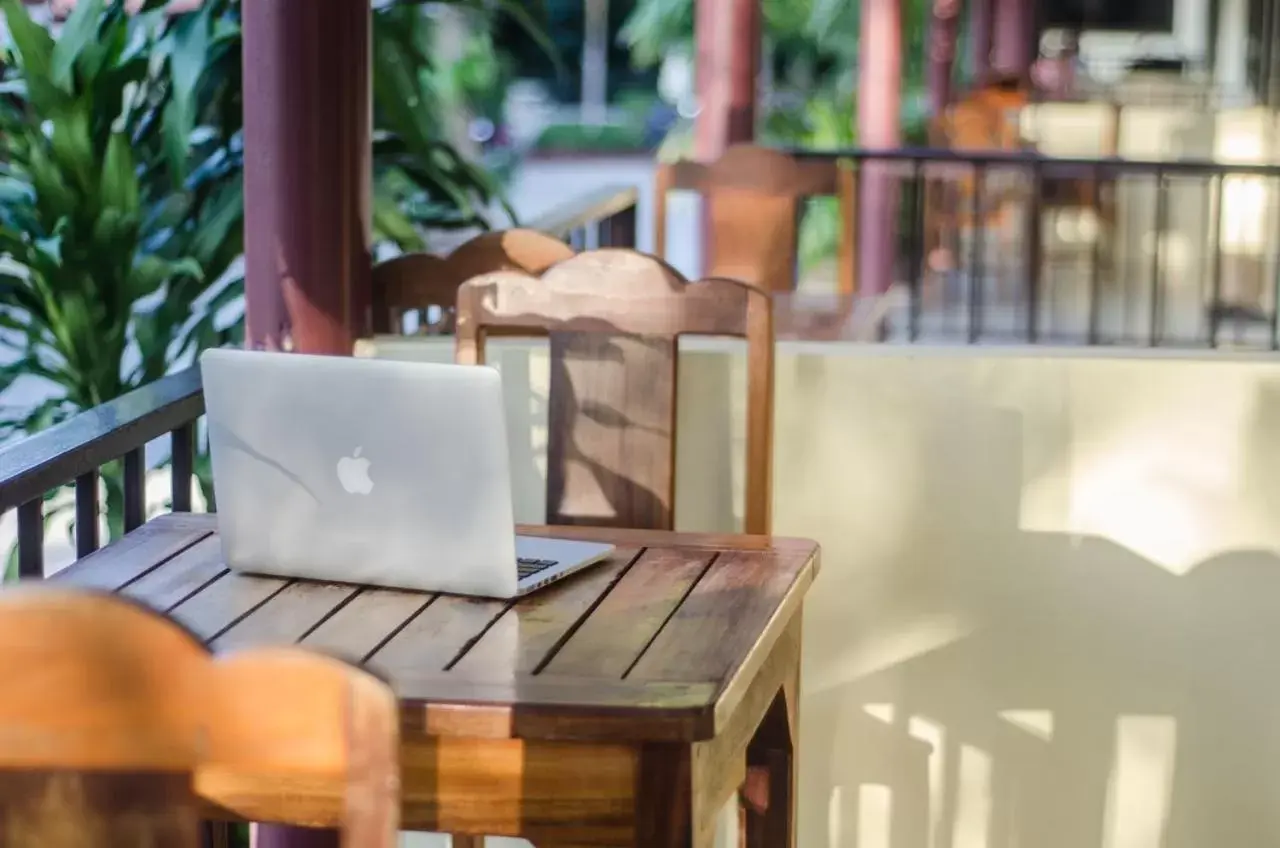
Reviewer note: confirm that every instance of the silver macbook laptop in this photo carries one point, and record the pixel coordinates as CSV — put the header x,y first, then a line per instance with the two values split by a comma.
x,y
371,471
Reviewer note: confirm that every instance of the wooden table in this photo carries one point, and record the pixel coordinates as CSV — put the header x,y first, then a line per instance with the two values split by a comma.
x,y
622,706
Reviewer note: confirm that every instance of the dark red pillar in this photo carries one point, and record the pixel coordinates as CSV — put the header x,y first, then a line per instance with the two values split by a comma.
x,y
307,133
1013,38
980,12
944,31
307,178
879,128
728,63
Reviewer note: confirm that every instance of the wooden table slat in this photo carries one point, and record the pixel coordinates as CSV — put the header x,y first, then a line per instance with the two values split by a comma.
x,y
438,635
181,577
287,616
722,619
626,621
361,626
525,636
224,602
136,554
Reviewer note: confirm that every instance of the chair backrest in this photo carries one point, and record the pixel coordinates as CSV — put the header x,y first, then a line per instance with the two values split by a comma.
x,y
419,281
118,727
614,317
754,200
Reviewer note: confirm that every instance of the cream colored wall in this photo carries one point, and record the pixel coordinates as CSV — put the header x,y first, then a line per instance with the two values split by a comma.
x,y
1050,595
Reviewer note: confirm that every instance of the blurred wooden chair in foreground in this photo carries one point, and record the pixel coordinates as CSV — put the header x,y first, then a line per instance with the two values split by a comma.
x,y
614,317
754,200
118,728
421,281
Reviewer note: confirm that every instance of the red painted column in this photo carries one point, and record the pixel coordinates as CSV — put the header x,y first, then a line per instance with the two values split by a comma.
x,y
307,181
879,116
1012,40
944,30
307,134
980,25
728,63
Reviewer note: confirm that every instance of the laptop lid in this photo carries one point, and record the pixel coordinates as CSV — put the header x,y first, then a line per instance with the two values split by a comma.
x,y
361,470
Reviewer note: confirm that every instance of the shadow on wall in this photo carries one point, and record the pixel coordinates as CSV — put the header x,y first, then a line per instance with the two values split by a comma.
x,y
979,685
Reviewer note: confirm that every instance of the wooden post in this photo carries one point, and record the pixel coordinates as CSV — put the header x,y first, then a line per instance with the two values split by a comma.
x,y
307,175
728,45
980,12
944,30
728,36
307,132
1013,46
879,106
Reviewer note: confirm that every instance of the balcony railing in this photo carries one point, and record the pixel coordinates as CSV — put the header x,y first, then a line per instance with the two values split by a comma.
x,y
75,450
1022,247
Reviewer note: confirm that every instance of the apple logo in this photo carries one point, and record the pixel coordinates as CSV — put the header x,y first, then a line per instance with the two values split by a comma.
x,y
353,474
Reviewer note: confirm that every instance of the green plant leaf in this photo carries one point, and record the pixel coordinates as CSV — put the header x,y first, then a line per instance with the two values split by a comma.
x,y
54,198
73,151
189,50
34,48
79,32
220,223
390,222
119,182
35,45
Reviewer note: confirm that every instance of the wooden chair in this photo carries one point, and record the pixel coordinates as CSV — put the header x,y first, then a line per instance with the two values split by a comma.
x,y
754,199
118,728
614,317
991,118
419,281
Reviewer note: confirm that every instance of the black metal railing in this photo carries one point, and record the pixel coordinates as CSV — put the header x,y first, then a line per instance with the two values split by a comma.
x,y
74,451
1019,246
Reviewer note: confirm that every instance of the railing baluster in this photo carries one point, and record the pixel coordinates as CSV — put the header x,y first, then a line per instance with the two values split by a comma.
x,y
1161,224
182,465
87,513
31,539
619,229
135,488
976,273
915,255
1275,296
1095,282
1215,279
1035,217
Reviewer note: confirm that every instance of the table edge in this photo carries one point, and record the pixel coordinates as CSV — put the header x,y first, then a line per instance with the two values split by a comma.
x,y
739,680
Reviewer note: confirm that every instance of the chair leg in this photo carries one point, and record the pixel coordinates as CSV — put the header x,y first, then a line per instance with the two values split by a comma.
x,y
215,834
460,840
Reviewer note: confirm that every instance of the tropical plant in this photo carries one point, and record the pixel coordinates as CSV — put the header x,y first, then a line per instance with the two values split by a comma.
x,y
108,243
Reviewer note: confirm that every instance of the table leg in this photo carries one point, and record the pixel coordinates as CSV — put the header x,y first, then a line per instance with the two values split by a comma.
x,y
279,836
664,798
769,794
215,834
